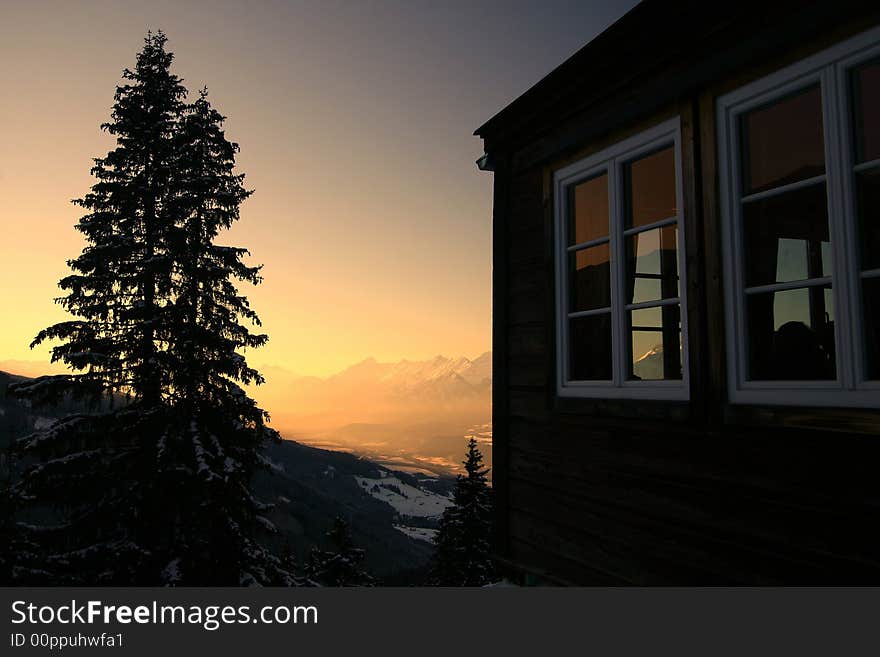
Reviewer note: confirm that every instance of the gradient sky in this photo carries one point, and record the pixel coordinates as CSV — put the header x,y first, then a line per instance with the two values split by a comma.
x,y
355,122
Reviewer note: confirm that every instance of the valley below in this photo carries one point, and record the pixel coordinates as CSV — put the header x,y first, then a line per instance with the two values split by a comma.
x,y
431,448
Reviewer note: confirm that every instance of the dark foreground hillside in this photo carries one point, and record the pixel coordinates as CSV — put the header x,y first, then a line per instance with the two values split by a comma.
x,y
392,514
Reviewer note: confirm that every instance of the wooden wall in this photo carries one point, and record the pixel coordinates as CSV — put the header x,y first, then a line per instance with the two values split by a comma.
x,y
702,492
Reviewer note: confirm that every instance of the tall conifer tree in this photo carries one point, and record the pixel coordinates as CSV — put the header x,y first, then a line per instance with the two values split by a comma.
x,y
155,490
225,429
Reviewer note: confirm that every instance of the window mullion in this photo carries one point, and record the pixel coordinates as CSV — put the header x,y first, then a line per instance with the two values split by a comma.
x,y
861,166
563,346
784,189
586,245
839,219
616,226
649,227
683,319
789,285
850,248
740,336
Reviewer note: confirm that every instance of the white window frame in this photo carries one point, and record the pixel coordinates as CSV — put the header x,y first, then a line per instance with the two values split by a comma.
x,y
830,70
611,161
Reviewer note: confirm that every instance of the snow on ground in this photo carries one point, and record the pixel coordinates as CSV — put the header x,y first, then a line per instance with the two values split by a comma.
x,y
171,573
418,533
41,423
406,500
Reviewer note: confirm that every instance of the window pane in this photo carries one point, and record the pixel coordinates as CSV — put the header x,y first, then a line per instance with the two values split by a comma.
x,y
655,348
786,237
590,278
791,335
871,308
782,142
589,210
652,265
650,188
590,348
866,105
868,195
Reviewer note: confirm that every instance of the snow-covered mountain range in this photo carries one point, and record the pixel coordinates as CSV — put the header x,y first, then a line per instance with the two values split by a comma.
x,y
649,366
442,376
371,391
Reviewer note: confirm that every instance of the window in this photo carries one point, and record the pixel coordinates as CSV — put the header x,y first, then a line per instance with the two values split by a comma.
x,y
800,181
620,321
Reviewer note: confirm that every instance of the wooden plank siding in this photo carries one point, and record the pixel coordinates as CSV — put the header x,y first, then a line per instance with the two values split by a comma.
x,y
695,507
596,491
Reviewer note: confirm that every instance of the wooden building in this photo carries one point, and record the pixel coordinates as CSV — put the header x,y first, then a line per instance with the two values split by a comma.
x,y
687,301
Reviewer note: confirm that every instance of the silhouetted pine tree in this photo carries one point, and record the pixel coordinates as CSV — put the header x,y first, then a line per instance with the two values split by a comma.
x,y
16,549
8,535
155,490
340,566
464,542
291,565
225,430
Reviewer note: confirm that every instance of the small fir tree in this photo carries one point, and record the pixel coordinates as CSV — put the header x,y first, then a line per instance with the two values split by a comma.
x,y
340,566
463,555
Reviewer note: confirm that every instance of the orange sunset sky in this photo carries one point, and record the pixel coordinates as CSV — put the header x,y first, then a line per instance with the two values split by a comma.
x,y
355,122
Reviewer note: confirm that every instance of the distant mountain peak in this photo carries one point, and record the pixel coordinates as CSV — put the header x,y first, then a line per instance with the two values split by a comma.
x,y
372,388
650,365
653,351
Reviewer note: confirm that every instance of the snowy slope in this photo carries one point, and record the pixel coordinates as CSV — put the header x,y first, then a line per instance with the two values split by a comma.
x,y
405,499
418,533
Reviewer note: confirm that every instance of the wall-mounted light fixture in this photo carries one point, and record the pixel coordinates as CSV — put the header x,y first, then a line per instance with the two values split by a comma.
x,y
485,164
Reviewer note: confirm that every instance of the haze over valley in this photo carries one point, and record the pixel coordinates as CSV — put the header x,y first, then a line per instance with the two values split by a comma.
x,y
414,416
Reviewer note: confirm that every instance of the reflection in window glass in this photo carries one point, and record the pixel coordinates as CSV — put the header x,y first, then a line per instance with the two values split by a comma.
x,y
655,343
652,265
786,237
791,335
868,200
590,281
650,188
589,214
866,106
590,348
783,142
871,305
